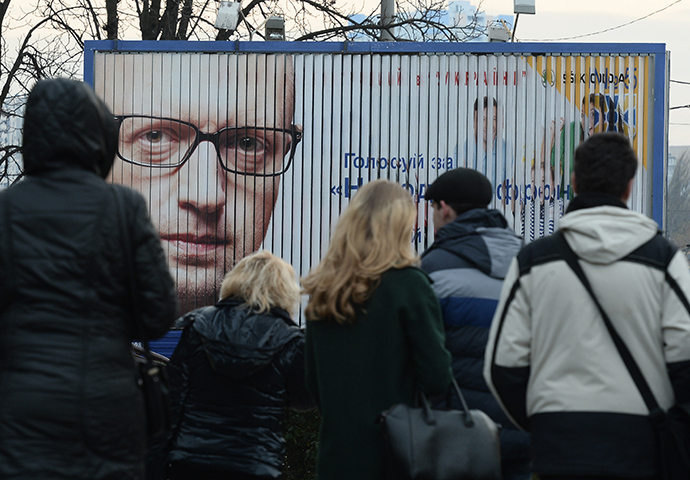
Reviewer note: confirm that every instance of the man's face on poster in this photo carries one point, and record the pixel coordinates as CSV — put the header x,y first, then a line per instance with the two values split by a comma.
x,y
205,139
493,127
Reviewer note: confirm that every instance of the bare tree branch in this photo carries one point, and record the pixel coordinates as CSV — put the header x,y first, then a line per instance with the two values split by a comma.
x,y
112,20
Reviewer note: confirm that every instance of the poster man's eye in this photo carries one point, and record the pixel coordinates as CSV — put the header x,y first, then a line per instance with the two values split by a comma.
x,y
247,144
154,136
157,136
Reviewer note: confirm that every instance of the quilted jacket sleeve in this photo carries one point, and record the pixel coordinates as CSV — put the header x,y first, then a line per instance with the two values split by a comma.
x,y
295,381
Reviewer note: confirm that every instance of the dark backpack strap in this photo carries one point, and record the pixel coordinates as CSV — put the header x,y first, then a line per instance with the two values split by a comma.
x,y
573,262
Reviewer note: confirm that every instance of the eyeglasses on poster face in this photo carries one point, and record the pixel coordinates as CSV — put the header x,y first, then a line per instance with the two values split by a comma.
x,y
160,142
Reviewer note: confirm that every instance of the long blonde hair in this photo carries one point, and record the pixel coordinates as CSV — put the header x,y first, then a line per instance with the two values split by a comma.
x,y
263,281
373,235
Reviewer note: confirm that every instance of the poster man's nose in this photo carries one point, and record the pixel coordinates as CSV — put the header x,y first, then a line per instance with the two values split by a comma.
x,y
203,180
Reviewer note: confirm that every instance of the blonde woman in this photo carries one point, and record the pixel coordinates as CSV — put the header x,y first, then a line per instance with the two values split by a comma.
x,y
239,363
374,330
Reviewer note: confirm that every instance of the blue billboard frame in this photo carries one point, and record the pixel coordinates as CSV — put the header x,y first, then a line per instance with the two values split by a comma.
x,y
658,50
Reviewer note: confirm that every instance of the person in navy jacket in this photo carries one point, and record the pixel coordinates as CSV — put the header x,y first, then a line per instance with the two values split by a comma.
x,y
468,261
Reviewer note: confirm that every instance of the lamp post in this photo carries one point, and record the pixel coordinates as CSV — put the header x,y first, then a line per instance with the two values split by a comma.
x,y
387,16
275,28
228,15
522,6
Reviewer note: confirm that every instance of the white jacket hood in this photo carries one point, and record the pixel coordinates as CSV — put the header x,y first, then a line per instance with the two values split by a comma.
x,y
605,234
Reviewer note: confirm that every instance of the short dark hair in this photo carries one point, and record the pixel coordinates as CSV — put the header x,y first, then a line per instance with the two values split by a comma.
x,y
605,163
486,103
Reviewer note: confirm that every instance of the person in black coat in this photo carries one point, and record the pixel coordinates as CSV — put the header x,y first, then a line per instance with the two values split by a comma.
x,y
70,406
238,364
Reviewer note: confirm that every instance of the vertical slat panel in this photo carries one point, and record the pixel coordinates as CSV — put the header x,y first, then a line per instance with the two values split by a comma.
x,y
407,117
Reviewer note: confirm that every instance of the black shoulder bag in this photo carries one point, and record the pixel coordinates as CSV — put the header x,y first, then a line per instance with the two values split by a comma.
x,y
153,379
421,443
673,426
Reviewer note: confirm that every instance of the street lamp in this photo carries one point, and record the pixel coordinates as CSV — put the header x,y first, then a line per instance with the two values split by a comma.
x,y
275,28
228,15
498,32
522,6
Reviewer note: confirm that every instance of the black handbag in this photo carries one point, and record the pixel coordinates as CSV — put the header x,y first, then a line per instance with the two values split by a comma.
x,y
422,443
672,427
153,381
152,375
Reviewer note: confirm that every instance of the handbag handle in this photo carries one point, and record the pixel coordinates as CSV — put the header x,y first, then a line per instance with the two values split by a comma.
x,y
572,260
429,413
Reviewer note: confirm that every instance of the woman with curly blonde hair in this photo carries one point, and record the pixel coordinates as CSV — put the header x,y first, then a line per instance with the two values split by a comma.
x,y
374,330
239,363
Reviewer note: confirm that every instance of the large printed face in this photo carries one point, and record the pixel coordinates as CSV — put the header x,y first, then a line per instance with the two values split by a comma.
x,y
493,128
204,139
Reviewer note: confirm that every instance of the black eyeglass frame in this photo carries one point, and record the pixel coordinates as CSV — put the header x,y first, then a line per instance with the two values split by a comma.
x,y
295,134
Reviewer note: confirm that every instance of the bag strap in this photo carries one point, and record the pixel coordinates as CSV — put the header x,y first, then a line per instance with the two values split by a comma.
x,y
428,412
572,259
125,236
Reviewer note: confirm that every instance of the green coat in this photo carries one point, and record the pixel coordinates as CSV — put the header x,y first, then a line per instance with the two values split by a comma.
x,y
358,370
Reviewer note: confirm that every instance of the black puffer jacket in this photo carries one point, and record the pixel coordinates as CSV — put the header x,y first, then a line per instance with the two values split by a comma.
x,y
232,375
70,407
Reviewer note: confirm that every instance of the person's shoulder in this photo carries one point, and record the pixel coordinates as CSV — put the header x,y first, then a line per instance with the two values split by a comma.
x,y
275,327
200,314
275,320
540,251
406,277
128,194
443,258
402,286
278,317
411,271
657,252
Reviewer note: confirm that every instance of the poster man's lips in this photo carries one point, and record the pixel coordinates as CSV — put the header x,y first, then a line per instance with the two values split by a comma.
x,y
195,239
195,248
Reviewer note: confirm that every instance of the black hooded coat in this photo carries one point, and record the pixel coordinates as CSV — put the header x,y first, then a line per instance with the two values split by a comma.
x,y
70,407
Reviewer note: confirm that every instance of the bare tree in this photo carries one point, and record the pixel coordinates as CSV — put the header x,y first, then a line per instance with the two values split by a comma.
x,y
36,42
420,20
678,204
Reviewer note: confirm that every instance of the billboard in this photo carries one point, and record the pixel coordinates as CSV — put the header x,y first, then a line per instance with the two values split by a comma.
x,y
245,145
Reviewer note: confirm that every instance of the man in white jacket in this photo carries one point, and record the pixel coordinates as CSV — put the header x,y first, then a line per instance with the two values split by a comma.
x,y
550,360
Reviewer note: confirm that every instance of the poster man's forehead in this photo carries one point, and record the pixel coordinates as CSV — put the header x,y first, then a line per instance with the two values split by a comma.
x,y
223,90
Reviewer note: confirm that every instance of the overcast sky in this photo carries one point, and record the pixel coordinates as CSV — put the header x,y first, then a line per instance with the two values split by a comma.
x,y
567,18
